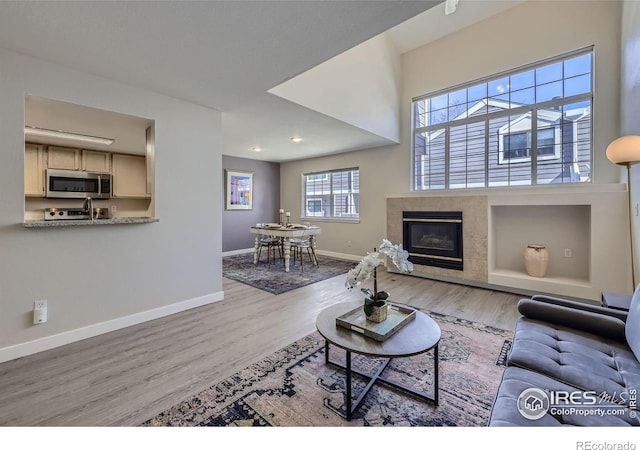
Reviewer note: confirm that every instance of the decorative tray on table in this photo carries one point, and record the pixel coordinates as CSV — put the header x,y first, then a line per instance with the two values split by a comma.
x,y
397,317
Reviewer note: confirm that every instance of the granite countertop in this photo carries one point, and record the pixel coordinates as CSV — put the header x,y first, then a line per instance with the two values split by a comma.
x,y
86,222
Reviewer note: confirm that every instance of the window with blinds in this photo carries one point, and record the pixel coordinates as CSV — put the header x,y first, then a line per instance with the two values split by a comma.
x,y
332,194
528,126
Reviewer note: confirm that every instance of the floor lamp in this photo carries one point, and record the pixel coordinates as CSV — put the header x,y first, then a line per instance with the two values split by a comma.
x,y
624,151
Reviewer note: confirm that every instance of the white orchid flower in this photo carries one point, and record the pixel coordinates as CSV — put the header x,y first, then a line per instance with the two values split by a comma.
x,y
398,255
367,266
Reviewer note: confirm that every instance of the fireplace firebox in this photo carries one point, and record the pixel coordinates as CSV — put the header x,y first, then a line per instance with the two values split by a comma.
x,y
433,238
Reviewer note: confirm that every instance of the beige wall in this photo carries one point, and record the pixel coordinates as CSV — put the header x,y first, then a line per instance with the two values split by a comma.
x,y
518,36
98,278
377,179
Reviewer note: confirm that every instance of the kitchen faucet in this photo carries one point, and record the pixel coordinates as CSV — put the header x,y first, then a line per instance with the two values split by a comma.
x,y
88,206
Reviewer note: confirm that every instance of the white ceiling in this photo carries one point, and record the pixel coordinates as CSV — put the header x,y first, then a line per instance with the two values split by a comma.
x,y
226,55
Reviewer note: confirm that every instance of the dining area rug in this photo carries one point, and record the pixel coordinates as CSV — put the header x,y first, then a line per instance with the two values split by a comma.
x,y
274,279
294,386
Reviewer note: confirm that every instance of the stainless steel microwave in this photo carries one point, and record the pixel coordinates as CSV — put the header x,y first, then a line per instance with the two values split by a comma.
x,y
76,184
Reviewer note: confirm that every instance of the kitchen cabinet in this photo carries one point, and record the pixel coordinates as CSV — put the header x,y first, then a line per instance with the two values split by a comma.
x,y
63,158
94,161
34,165
129,176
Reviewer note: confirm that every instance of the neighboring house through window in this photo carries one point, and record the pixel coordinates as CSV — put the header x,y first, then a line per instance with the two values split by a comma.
x,y
528,126
332,194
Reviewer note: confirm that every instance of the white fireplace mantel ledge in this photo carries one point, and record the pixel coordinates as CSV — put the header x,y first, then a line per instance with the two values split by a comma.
x,y
547,189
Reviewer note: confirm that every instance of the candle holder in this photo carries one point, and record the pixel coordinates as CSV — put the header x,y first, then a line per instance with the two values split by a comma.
x,y
281,222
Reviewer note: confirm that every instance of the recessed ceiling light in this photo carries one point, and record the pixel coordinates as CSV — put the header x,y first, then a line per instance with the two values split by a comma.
x,y
296,139
256,149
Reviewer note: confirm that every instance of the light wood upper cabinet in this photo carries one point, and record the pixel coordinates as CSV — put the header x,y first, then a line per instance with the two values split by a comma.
x,y
63,158
129,176
34,170
94,161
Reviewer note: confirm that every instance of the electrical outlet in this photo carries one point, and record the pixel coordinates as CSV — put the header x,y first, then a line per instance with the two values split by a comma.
x,y
114,209
349,243
568,253
39,312
40,304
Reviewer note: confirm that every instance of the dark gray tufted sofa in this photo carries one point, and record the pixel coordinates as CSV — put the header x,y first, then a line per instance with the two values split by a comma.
x,y
585,358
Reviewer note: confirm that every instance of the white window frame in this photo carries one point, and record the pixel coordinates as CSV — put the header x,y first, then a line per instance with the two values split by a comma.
x,y
332,194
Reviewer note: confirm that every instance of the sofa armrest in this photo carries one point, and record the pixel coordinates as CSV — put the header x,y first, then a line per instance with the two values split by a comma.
x,y
622,315
578,319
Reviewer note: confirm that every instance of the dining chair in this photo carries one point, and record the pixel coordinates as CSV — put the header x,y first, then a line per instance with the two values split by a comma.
x,y
297,248
271,243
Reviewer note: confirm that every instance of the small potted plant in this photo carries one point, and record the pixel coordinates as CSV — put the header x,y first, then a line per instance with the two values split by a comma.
x,y
375,302
375,305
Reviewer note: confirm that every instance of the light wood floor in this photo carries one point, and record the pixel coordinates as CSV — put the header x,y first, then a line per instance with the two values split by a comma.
x,y
128,376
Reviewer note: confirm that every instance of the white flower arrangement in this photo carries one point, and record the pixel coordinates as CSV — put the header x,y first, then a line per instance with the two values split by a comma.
x,y
368,266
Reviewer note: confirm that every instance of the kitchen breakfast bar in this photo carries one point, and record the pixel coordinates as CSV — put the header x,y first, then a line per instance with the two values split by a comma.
x,y
99,222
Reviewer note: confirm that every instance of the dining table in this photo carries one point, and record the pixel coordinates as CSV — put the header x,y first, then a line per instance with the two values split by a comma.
x,y
286,232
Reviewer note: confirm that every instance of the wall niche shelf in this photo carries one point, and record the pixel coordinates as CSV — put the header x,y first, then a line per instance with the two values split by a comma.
x,y
571,287
565,231
584,230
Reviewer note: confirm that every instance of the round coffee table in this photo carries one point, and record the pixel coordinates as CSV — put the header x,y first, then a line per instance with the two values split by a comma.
x,y
418,336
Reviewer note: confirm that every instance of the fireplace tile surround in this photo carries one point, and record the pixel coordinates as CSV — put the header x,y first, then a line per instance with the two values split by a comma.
x,y
474,233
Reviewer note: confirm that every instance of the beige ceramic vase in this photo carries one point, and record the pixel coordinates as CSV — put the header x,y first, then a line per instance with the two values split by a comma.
x,y
536,260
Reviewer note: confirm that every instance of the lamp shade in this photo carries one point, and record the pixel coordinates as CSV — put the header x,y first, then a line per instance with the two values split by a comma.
x,y
625,149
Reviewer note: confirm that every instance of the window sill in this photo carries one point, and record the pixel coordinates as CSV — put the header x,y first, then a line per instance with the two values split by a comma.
x,y
330,219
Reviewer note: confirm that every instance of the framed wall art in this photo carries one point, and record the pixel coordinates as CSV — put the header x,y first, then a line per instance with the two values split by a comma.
x,y
239,190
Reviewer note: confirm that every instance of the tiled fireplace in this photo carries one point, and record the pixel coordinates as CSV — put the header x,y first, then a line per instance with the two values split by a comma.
x,y
450,250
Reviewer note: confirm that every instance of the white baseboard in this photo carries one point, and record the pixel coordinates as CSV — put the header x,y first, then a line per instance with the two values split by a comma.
x,y
67,337
346,256
238,252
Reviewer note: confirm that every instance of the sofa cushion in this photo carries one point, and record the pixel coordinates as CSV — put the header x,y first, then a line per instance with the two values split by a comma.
x,y
582,305
515,381
586,361
579,319
632,329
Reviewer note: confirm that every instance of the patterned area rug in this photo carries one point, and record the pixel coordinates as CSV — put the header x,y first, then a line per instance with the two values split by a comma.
x,y
294,387
276,280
